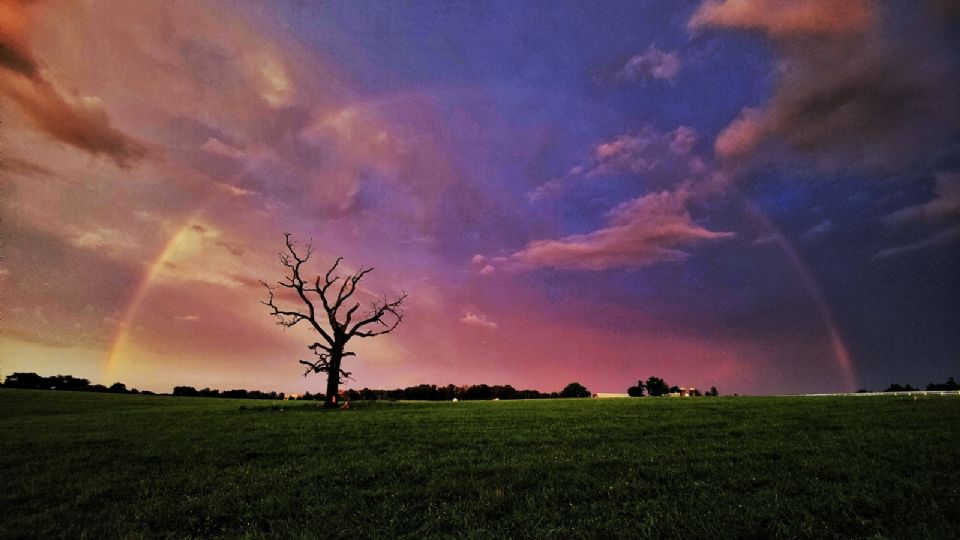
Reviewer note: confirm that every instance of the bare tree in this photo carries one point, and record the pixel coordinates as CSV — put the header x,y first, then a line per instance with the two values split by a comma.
x,y
320,302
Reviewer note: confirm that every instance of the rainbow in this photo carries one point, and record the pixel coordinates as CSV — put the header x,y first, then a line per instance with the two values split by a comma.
x,y
121,338
840,353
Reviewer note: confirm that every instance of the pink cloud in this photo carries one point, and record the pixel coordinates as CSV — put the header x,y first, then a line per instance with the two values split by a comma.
x,y
478,320
786,17
641,232
742,136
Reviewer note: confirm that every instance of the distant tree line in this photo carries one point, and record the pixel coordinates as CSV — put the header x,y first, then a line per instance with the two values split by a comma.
x,y
474,392
65,382
32,381
189,391
655,386
420,392
932,387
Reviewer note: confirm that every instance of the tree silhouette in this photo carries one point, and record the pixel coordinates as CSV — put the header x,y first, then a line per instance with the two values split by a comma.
x,y
575,390
321,302
657,387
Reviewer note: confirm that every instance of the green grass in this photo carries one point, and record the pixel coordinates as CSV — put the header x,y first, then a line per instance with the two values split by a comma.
x,y
93,465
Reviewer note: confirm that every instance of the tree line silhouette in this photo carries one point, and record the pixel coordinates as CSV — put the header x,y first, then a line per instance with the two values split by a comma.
x,y
653,386
33,381
932,387
421,392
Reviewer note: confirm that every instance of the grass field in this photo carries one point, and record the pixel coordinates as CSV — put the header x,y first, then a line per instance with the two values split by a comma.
x,y
95,465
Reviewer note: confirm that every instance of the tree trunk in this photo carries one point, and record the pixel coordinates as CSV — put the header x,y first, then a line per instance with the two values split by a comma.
x,y
333,381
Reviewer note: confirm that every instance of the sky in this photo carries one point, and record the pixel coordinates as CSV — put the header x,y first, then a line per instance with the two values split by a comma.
x,y
762,196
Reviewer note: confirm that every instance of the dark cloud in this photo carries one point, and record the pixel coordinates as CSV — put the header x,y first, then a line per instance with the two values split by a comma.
x,y
935,240
23,167
854,87
19,61
233,249
945,204
76,120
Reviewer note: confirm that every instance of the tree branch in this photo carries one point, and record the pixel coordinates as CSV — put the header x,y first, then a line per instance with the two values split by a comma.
x,y
378,312
285,318
295,281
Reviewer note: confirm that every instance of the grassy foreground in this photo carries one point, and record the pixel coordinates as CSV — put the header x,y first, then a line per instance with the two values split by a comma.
x,y
94,465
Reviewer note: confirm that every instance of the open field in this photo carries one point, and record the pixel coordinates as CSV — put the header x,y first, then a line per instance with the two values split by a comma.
x,y
95,465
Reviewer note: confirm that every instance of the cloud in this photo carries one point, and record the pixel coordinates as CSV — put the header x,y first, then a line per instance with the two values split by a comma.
x,y
112,242
546,190
743,135
641,232
487,270
851,89
780,18
641,152
766,239
14,53
660,158
217,147
652,64
79,121
945,204
478,320
818,230
937,239
187,318
234,249
23,167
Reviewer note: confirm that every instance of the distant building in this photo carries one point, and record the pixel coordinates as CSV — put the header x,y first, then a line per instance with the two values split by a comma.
x,y
606,395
